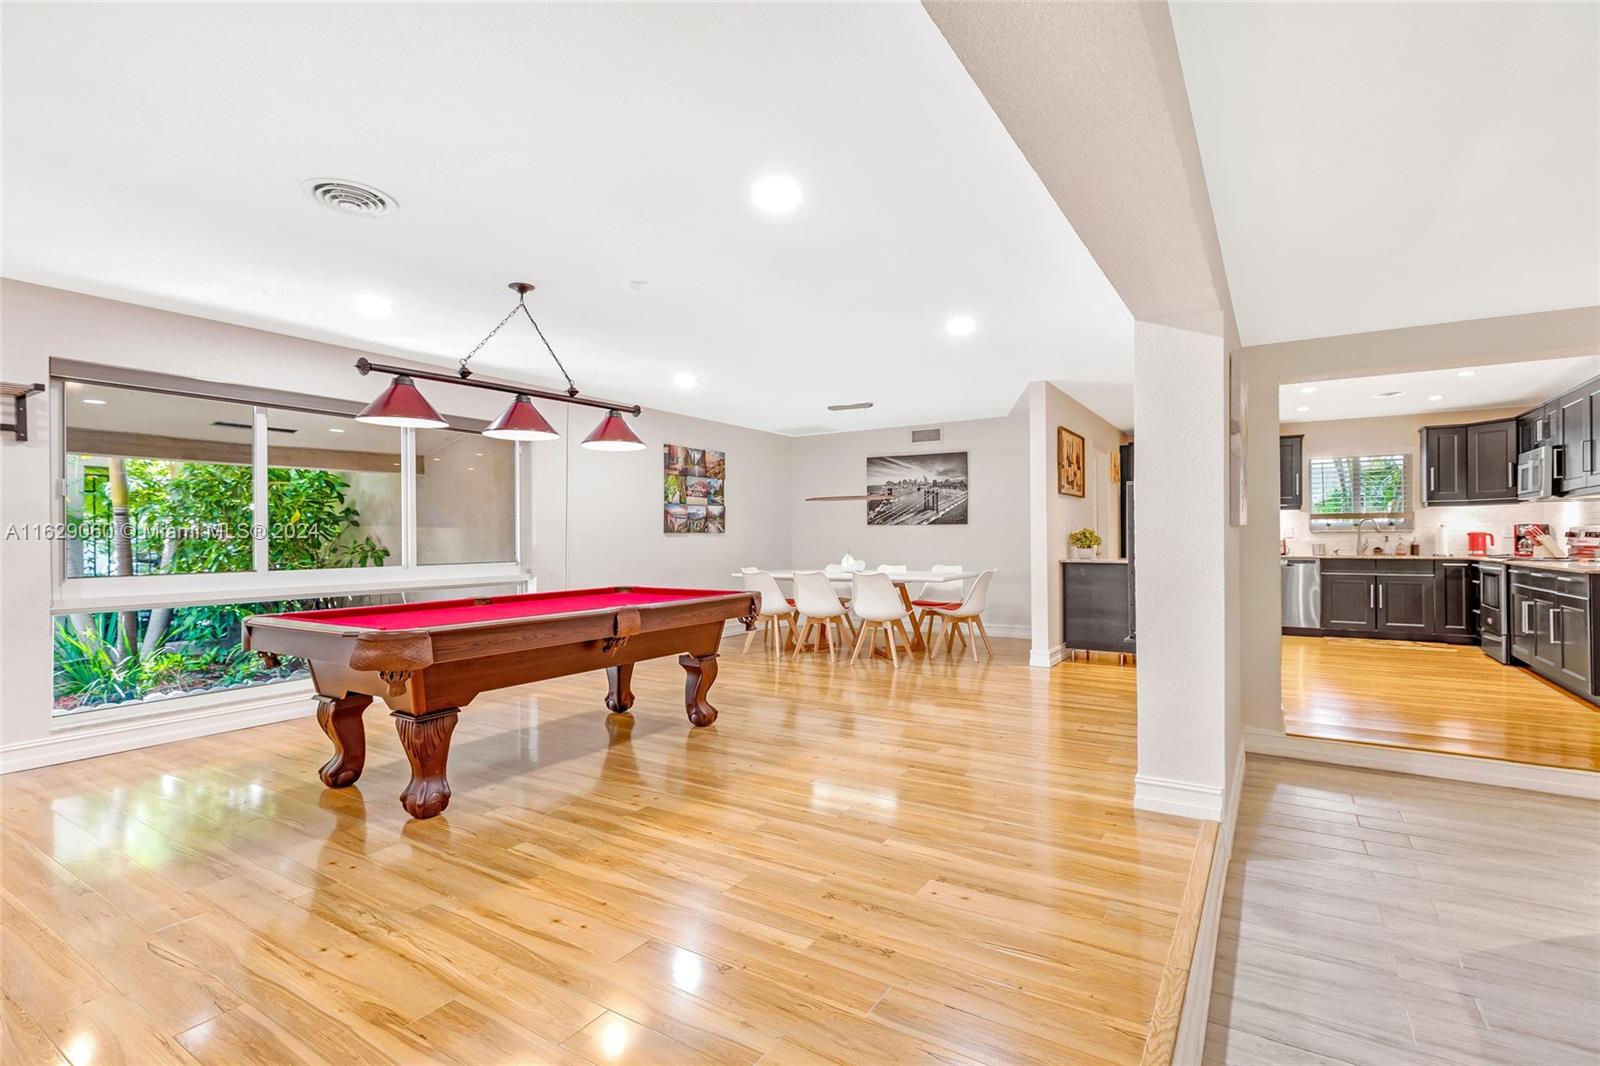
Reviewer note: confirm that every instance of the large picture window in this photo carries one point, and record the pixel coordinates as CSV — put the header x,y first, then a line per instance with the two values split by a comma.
x,y
1348,489
466,503
333,492
155,484
187,506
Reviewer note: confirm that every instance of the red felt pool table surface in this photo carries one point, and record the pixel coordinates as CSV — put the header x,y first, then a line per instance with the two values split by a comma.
x,y
434,614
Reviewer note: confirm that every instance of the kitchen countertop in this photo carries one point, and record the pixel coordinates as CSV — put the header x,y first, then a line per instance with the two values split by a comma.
x,y
1566,566
1114,562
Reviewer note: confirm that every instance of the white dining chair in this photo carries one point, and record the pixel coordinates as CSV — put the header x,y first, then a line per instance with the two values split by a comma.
x,y
969,613
945,594
776,609
877,603
817,604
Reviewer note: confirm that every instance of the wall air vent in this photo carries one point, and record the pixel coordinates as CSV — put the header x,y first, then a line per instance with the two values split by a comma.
x,y
927,436
349,197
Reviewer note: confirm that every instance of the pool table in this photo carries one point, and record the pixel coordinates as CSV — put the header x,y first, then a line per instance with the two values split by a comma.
x,y
428,660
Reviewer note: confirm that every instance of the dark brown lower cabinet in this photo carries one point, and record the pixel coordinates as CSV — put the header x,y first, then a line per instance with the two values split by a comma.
x,y
1551,629
1456,599
1349,602
1405,603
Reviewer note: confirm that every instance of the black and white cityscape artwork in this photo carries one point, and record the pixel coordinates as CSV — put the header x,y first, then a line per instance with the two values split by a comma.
x,y
923,490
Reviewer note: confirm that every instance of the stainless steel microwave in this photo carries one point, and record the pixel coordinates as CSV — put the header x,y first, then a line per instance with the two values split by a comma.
x,y
1536,470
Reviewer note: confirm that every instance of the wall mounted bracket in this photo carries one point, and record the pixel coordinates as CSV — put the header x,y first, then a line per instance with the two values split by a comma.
x,y
19,395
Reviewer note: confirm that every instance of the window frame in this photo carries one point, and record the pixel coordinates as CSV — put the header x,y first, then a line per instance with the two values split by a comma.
x,y
1333,521
91,594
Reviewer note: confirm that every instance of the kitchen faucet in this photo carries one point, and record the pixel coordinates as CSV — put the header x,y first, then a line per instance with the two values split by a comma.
x,y
1375,528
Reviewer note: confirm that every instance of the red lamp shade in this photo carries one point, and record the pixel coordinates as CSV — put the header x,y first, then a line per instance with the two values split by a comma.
x,y
613,435
521,421
402,405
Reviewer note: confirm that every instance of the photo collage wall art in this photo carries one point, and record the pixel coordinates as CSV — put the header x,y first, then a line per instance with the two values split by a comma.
x,y
693,481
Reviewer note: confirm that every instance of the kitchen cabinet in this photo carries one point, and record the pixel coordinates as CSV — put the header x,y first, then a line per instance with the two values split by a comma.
x,y
1291,467
1444,465
1404,604
1491,612
1492,462
1552,632
1575,424
1455,607
1349,601
1097,607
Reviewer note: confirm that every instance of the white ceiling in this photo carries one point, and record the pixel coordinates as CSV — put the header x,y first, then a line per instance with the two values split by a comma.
x,y
154,153
1381,165
1501,385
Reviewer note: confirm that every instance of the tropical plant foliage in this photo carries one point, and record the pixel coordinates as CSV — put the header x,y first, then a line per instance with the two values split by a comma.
x,y
124,656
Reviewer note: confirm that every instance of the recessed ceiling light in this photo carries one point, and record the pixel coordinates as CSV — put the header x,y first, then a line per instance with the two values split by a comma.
x,y
1302,410
1307,390
335,429
372,305
960,325
478,454
776,194
91,400
1387,395
472,468
1465,373
684,380
1436,398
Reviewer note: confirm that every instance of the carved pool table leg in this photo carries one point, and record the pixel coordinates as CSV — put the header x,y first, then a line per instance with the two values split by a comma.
x,y
701,671
620,697
340,718
426,740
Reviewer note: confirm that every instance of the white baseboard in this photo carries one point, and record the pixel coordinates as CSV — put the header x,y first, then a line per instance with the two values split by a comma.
x,y
1044,658
1548,779
1189,1045
73,741
1183,798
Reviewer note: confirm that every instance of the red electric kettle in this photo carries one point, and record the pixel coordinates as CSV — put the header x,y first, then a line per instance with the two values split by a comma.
x,y
1478,543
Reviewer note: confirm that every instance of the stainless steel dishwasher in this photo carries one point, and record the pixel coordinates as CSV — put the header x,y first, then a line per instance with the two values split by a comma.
x,y
1302,594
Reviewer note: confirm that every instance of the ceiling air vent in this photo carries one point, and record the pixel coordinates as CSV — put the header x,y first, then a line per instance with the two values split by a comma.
x,y
850,406
349,197
927,436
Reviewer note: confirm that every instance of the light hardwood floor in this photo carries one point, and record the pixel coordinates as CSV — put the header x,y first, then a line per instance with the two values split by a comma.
x,y
1433,697
1386,920
939,863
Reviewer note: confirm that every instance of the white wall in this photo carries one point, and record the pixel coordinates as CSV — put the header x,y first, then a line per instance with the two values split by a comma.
x,y
598,518
1400,434
1052,516
1186,587
996,533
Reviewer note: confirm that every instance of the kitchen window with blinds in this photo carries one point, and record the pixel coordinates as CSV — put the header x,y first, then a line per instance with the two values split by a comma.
x,y
1347,489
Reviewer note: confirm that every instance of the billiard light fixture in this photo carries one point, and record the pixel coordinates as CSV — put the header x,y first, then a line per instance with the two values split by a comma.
x,y
402,404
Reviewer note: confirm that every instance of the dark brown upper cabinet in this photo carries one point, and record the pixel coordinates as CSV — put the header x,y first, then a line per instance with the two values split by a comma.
x,y
1444,465
1291,471
1470,464
1492,462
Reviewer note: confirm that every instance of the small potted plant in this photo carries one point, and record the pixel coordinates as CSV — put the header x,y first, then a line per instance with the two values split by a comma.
x,y
1084,541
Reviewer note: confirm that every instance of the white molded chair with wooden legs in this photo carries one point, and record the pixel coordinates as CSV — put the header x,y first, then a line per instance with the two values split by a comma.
x,y
946,594
877,603
776,609
818,606
968,613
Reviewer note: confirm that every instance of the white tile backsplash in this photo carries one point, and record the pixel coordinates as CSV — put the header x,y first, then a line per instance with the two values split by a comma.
x,y
1495,519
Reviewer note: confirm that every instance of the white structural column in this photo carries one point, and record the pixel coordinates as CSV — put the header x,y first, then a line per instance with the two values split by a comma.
x,y
1186,580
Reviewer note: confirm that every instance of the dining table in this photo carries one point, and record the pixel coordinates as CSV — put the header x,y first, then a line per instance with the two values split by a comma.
x,y
901,579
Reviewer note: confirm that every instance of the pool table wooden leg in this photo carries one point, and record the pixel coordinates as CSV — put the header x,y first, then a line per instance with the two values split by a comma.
x,y
701,671
620,697
340,718
426,740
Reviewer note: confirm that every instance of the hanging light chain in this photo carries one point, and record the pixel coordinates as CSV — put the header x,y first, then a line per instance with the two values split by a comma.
x,y
463,371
